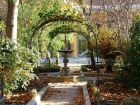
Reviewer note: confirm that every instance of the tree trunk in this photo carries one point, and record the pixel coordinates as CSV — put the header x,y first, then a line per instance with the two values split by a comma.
x,y
90,48
12,15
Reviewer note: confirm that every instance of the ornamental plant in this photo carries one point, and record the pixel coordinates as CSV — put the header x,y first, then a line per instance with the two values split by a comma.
x,y
16,65
107,43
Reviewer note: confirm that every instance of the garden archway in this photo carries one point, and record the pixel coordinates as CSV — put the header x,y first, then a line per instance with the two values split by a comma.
x,y
47,20
64,18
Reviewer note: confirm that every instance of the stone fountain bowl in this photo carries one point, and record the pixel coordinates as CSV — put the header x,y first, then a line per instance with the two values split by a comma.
x,y
72,77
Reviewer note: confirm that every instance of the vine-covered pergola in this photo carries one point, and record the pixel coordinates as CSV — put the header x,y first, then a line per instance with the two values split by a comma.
x,y
68,18
58,18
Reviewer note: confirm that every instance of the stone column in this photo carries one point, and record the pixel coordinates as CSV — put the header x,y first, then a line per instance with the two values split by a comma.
x,y
75,45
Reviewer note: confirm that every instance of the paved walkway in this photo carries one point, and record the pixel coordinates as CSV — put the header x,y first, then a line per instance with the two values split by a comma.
x,y
65,93
62,93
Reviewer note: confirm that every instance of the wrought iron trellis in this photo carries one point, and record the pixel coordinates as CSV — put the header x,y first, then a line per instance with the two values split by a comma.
x,y
97,49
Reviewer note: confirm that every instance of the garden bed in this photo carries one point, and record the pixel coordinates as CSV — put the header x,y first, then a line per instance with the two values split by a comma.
x,y
110,94
21,98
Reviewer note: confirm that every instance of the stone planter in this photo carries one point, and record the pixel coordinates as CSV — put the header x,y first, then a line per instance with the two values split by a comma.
x,y
88,68
55,77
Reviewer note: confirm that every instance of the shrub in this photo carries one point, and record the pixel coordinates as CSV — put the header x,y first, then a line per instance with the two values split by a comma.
x,y
16,64
131,71
107,43
45,69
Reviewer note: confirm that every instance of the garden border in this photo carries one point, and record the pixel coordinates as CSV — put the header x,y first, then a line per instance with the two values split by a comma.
x,y
37,99
86,95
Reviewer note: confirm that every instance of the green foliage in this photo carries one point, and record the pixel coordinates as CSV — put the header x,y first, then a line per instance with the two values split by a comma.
x,y
52,45
68,28
131,74
57,7
50,8
58,32
52,67
34,13
57,37
28,16
16,64
2,26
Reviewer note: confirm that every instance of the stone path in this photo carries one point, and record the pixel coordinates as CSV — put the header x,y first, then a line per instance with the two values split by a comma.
x,y
62,93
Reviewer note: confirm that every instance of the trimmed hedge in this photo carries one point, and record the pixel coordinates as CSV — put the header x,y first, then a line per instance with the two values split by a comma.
x,y
43,69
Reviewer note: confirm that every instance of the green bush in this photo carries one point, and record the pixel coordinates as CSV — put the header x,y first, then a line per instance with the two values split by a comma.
x,y
16,65
48,68
130,75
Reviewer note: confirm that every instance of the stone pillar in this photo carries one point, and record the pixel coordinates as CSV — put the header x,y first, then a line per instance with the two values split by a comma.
x,y
75,45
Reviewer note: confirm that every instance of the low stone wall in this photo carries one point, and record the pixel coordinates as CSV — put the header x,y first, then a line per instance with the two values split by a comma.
x,y
86,95
72,77
36,100
64,79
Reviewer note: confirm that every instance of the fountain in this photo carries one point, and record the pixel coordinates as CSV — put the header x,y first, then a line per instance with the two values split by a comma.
x,y
65,70
65,75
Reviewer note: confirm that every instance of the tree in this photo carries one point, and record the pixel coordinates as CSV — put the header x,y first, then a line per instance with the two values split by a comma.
x,y
12,14
131,71
118,15
107,44
28,16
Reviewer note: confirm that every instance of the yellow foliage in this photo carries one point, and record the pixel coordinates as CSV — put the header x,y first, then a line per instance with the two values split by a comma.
x,y
100,16
106,34
107,42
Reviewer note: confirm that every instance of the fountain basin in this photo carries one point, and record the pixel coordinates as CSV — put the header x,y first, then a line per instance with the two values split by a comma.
x,y
73,77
